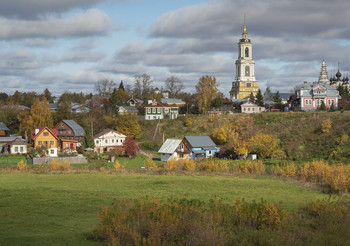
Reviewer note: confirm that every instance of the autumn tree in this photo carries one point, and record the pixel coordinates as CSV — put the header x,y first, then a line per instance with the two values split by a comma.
x,y
142,86
117,98
128,125
174,86
104,87
39,115
130,147
16,98
265,145
207,90
156,96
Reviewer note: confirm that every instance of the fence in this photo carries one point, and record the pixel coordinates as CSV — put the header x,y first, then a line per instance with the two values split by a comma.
x,y
47,160
6,160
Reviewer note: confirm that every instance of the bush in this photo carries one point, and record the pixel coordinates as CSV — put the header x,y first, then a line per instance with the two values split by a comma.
x,y
171,165
150,164
211,165
326,125
285,170
116,165
21,165
62,166
189,165
253,167
188,122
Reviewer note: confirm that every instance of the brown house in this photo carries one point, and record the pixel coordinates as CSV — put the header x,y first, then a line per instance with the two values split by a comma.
x,y
70,130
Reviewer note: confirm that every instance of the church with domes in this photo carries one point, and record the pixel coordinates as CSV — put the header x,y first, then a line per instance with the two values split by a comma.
x,y
311,95
245,82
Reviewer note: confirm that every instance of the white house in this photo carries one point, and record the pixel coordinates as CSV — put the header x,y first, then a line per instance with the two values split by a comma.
x,y
167,151
107,140
155,110
250,108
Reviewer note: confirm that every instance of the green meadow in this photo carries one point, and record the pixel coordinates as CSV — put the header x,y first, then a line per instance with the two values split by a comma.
x,y
61,208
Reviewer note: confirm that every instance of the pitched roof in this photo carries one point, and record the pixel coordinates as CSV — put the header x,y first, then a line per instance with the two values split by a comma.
x,y
158,104
77,129
200,141
169,146
3,127
52,131
105,131
11,139
130,108
171,100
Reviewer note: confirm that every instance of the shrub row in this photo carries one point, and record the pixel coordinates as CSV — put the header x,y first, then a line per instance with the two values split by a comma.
x,y
193,222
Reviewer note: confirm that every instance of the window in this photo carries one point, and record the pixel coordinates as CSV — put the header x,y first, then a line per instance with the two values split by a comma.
x,y
209,152
46,134
329,102
113,140
52,151
121,140
16,149
66,145
247,71
21,149
249,84
62,125
46,142
117,140
106,141
149,110
69,131
40,143
97,141
247,52
51,142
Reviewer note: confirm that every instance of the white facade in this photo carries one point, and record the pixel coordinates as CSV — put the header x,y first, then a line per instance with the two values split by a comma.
x,y
250,108
167,151
107,140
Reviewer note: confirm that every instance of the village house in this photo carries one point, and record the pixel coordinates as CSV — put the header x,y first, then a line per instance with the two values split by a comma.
x,y
155,110
3,129
13,145
107,140
190,147
47,138
250,108
168,150
122,110
70,130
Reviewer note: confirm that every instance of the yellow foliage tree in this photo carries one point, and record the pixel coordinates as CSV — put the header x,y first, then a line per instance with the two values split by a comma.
x,y
128,125
326,125
39,115
207,90
220,135
266,145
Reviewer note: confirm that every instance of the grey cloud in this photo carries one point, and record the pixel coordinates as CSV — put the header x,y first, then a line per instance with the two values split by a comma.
x,y
92,22
34,9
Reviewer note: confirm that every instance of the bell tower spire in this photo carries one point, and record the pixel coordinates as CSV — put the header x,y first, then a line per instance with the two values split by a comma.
x,y
244,34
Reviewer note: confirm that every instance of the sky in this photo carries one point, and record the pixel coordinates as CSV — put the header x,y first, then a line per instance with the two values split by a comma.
x,y
68,45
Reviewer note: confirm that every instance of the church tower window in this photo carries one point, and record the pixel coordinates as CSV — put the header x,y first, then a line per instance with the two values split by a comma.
x,y
247,52
247,71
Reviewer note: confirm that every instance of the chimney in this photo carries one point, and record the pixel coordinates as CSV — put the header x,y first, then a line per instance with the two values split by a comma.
x,y
36,131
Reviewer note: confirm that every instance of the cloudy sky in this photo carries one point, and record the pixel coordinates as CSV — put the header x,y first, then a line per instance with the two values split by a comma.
x,y
68,45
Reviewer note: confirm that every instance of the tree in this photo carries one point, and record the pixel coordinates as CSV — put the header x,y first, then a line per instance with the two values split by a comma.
x,y
174,86
47,95
130,147
156,96
266,145
142,86
16,98
121,86
3,97
217,102
323,106
259,99
277,98
104,87
207,90
117,98
29,98
128,125
39,115
267,94
251,97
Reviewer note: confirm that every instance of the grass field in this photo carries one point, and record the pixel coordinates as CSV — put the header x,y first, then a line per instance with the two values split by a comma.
x,y
61,209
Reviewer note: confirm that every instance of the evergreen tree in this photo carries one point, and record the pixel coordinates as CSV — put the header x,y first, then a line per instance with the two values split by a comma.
x,y
332,108
121,86
251,97
323,106
259,99
277,98
115,100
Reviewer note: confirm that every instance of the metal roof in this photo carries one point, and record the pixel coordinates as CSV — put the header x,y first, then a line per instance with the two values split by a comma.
x,y
171,100
169,146
77,129
200,141
130,108
3,127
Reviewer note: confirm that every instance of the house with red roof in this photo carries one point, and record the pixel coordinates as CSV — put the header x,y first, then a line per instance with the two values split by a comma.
x,y
47,138
156,110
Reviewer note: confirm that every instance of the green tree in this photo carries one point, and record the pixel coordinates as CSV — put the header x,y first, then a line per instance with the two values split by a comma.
x,y
121,86
259,99
217,102
3,97
323,106
251,97
16,98
277,98
207,90
47,94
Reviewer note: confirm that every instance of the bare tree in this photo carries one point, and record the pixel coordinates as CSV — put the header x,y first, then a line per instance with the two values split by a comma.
x,y
142,86
105,87
174,86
